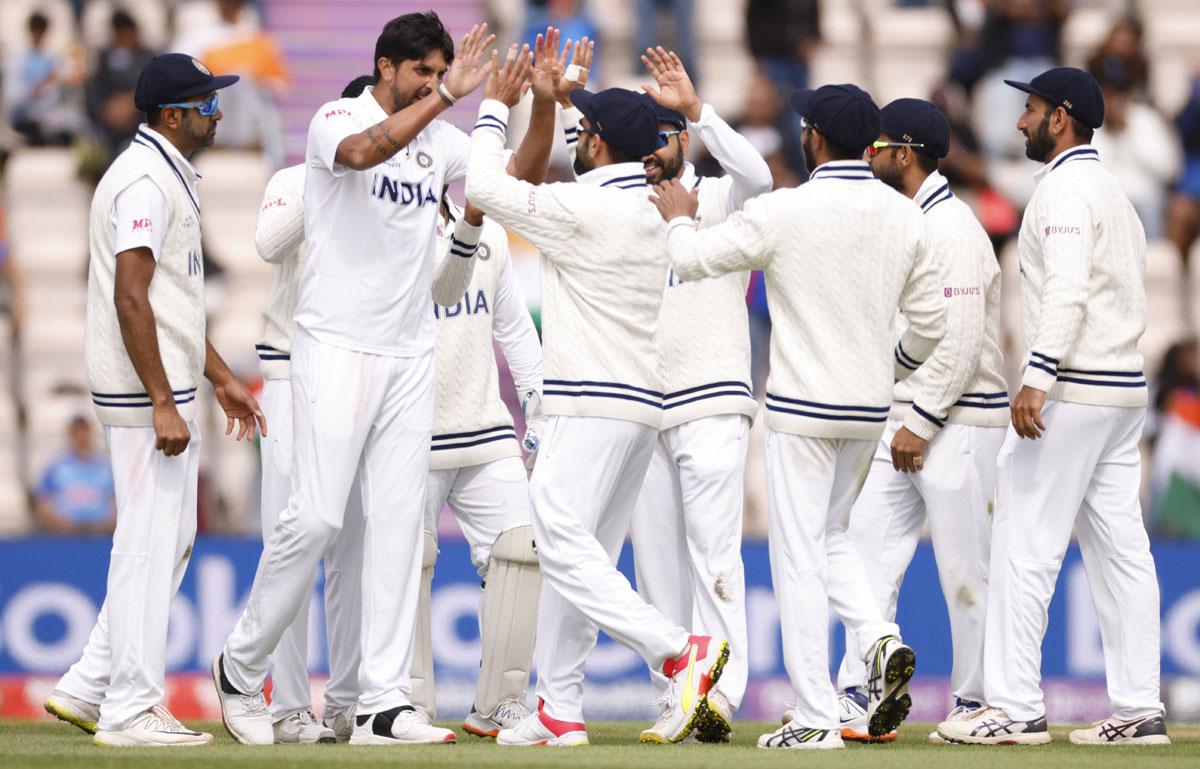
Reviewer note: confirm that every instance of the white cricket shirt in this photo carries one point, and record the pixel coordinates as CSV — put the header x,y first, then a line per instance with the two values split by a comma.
x,y
371,235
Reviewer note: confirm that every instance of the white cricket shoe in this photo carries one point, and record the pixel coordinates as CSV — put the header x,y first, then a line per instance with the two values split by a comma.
x,y
154,728
399,726
341,723
656,733
73,710
853,720
791,736
539,728
304,728
962,708
993,726
890,666
1140,731
693,675
717,723
245,716
509,712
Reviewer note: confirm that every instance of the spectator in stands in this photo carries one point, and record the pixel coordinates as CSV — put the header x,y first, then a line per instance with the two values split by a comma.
x,y
75,495
1123,47
571,18
1138,146
782,36
1020,39
35,91
237,45
110,88
1183,211
680,35
759,123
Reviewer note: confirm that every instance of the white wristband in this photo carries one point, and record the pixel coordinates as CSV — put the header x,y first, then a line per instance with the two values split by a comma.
x,y
575,73
447,97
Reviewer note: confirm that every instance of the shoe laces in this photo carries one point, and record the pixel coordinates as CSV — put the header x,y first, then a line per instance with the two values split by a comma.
x,y
511,709
162,720
304,718
253,704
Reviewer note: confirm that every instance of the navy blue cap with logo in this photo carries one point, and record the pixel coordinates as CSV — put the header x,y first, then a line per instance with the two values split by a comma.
x,y
845,113
918,122
622,118
667,115
1072,89
171,78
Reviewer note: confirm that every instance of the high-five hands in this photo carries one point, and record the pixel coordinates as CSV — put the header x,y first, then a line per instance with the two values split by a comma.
x,y
674,88
548,66
509,81
465,73
573,73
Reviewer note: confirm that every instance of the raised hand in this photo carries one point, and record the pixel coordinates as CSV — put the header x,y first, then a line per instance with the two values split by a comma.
x,y
674,88
573,69
509,82
547,66
465,74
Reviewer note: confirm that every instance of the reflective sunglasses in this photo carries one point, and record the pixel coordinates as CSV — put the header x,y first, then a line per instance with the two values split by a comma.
x,y
876,147
663,136
207,108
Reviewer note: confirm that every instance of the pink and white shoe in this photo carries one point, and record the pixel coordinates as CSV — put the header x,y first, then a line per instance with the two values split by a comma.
x,y
693,674
540,728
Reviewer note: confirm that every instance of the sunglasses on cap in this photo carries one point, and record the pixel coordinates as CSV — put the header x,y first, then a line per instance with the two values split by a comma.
x,y
207,108
875,147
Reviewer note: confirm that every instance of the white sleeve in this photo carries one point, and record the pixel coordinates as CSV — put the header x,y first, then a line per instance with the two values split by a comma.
x,y
332,123
924,306
570,127
745,241
749,171
141,216
453,272
458,153
513,328
280,227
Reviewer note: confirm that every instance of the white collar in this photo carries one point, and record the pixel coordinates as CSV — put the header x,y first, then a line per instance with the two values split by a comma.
x,y
620,175
367,101
842,169
1081,152
688,177
157,141
934,190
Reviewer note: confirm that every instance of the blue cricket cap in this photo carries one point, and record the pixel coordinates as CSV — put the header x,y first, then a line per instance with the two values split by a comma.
x,y
1072,89
175,77
667,115
919,122
622,118
845,113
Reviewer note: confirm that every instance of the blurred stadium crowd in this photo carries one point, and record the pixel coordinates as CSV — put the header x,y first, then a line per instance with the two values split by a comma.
x,y
69,68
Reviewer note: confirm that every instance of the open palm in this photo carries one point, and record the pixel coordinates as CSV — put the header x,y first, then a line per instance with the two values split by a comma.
x,y
673,87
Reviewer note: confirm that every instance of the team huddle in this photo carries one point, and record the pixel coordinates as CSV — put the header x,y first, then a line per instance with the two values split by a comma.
x,y
885,407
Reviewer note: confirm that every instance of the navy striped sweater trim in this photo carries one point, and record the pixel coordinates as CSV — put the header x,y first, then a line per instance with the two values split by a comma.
x,y
267,352
818,410
466,440
590,388
938,196
146,140
1095,378
856,170
904,359
706,392
139,400
1084,152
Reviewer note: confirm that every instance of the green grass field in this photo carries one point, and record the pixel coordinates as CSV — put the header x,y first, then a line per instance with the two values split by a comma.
x,y
45,744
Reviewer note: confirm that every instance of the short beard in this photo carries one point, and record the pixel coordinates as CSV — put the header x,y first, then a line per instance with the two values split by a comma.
x,y
582,163
810,163
890,174
1039,143
671,168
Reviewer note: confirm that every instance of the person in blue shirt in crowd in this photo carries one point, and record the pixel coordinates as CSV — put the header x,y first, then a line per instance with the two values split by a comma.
x,y
75,495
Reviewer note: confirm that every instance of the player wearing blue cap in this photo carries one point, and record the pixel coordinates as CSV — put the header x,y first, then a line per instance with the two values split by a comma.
x,y
602,287
936,460
1072,459
834,285
145,354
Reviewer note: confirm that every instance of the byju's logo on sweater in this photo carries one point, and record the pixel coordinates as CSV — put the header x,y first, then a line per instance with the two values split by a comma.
x,y
1056,229
952,291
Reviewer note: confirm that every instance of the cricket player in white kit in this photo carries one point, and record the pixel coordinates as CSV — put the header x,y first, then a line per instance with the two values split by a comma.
x,y
602,285
687,528
145,352
936,459
279,238
362,374
833,285
1072,459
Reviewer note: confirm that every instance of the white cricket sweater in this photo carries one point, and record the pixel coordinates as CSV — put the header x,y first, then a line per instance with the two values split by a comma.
x,y
176,291
703,328
1083,285
603,271
471,424
279,238
839,254
961,381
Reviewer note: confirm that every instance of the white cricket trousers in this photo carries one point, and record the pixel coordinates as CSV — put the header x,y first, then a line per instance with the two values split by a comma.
x,y
290,691
584,488
1085,471
352,413
811,485
123,667
486,499
687,538
954,490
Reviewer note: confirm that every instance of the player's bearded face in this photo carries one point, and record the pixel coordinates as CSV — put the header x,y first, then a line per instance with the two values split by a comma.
x,y
200,129
584,162
413,80
1038,141
810,162
666,163
886,169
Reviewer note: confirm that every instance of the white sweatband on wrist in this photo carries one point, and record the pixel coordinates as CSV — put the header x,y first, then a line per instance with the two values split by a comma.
x,y
447,97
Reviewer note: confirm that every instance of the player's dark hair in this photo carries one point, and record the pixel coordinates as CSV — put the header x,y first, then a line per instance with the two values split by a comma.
x,y
356,86
617,156
412,36
154,117
1081,131
838,152
38,22
926,163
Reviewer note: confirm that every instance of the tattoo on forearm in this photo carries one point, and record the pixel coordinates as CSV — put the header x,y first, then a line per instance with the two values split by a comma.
x,y
383,142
